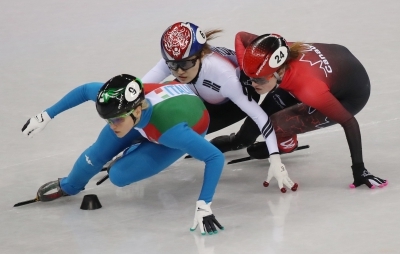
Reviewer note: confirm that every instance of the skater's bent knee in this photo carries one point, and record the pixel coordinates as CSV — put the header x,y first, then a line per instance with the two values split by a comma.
x,y
117,180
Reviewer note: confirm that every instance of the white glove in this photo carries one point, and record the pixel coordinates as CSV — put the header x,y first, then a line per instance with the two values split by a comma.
x,y
204,216
36,124
278,170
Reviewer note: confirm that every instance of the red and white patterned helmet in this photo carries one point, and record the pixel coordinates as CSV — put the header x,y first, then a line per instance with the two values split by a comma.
x,y
182,40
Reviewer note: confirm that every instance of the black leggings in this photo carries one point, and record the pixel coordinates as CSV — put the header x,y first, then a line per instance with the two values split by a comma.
x,y
274,101
223,115
289,116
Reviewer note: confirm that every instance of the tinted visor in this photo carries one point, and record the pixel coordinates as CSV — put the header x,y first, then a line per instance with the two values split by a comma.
x,y
259,81
182,64
119,119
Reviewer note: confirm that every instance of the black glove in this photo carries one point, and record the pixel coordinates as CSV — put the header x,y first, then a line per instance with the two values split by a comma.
x,y
362,176
209,221
248,89
204,217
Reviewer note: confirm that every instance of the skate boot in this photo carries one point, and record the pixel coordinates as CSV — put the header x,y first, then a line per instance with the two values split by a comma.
x,y
258,150
50,191
226,143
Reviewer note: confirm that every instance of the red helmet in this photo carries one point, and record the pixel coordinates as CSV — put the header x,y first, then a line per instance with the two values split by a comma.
x,y
265,55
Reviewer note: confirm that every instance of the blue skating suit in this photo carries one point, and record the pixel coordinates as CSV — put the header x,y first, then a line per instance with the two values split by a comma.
x,y
143,160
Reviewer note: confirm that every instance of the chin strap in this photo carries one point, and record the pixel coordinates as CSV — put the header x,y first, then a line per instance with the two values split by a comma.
x,y
194,80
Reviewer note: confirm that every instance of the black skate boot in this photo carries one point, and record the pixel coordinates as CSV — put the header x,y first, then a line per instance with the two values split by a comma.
x,y
226,143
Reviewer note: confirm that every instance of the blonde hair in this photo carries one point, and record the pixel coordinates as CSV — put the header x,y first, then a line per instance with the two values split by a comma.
x,y
295,51
144,104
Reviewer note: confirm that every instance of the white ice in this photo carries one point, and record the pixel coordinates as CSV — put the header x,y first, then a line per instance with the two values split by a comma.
x,y
49,47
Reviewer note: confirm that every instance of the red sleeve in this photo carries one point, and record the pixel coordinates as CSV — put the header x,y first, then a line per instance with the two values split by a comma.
x,y
242,40
316,94
148,87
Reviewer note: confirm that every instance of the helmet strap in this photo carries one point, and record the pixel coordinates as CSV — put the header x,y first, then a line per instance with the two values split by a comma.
x,y
133,118
278,81
278,78
194,80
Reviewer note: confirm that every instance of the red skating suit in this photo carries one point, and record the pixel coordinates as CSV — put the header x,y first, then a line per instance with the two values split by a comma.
x,y
332,85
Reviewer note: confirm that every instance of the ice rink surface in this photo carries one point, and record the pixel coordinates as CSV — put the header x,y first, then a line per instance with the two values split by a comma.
x,y
48,48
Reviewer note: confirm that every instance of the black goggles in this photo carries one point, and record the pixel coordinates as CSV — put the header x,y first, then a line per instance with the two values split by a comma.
x,y
259,81
182,64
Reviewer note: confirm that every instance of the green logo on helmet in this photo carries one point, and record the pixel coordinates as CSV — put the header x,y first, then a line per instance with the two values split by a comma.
x,y
106,95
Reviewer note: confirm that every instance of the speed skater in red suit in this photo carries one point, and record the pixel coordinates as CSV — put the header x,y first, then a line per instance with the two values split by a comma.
x,y
310,86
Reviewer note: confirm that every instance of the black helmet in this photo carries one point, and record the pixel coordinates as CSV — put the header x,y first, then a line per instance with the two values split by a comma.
x,y
119,95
